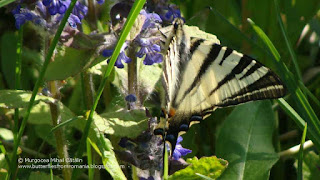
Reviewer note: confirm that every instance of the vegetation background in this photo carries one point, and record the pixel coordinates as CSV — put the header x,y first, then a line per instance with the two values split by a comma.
x,y
253,137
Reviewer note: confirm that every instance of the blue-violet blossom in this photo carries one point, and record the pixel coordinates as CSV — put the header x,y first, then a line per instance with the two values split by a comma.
x,y
22,15
179,150
151,19
56,8
152,51
100,1
122,56
172,13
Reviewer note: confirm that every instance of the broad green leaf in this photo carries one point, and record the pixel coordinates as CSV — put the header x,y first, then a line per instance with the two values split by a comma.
x,y
311,164
41,175
245,141
148,76
44,131
8,57
19,98
123,123
40,113
211,167
68,62
104,148
6,134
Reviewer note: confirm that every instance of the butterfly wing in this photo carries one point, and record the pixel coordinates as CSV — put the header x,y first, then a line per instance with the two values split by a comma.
x,y
201,75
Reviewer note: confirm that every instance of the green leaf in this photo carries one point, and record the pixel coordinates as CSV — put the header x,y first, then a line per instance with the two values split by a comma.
x,y
245,141
8,57
44,131
19,98
104,148
123,123
311,164
68,63
40,113
6,134
211,167
146,85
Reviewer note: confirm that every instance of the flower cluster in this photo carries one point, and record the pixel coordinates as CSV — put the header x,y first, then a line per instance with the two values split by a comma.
x,y
148,47
48,13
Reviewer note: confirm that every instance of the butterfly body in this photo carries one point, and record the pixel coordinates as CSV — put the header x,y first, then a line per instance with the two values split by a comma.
x,y
200,75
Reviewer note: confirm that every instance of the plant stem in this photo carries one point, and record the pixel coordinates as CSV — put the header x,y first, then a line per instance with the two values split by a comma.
x,y
295,149
26,150
87,89
300,159
132,74
92,15
137,6
18,80
165,162
62,148
90,161
37,86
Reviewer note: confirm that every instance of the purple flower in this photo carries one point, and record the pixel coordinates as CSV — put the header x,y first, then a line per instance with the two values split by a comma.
x,y
150,50
131,98
100,1
60,7
172,13
49,13
151,19
107,52
22,15
80,10
149,178
122,56
179,150
56,6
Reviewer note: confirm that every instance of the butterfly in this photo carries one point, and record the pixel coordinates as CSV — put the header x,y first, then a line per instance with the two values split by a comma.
x,y
200,75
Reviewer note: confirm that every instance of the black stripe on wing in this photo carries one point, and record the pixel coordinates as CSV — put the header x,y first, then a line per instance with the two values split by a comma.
x,y
226,54
268,86
243,63
211,57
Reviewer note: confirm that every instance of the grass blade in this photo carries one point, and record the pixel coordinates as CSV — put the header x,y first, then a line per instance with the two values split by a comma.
x,y
300,159
165,163
5,2
289,46
137,6
301,101
309,93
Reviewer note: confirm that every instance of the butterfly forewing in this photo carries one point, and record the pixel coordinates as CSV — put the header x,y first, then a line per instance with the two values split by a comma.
x,y
200,75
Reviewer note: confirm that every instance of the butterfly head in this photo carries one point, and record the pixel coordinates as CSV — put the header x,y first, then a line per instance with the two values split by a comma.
x,y
178,22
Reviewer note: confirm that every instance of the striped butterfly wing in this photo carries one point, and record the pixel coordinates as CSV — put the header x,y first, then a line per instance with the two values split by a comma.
x,y
201,75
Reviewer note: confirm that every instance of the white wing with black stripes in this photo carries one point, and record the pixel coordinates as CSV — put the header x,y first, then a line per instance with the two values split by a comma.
x,y
199,75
